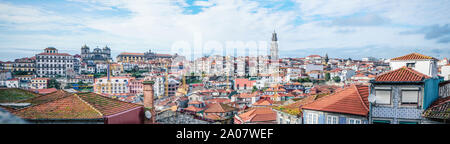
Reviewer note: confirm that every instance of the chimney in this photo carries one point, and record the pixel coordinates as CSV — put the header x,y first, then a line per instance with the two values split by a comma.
x,y
148,101
148,94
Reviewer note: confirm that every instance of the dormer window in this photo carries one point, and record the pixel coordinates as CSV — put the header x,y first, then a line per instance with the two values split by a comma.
x,y
411,65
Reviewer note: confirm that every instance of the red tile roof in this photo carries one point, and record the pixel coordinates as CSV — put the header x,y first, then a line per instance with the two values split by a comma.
x,y
137,54
57,54
213,117
193,109
47,91
414,56
63,105
258,115
440,109
263,102
351,100
195,102
66,108
313,56
219,108
46,98
219,100
247,95
247,82
295,108
402,74
107,106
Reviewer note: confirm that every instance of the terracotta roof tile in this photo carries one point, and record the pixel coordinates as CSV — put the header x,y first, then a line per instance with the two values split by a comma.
x,y
66,108
414,56
107,106
219,108
63,105
258,115
402,74
47,91
351,100
193,109
137,54
213,117
247,95
263,102
219,100
195,102
57,54
46,98
440,109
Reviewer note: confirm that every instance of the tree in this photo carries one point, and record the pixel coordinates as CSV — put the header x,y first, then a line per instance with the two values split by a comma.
x,y
302,80
203,74
307,79
254,89
135,69
136,75
327,77
54,84
337,79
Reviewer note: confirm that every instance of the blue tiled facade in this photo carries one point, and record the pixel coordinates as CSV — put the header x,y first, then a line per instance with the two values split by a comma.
x,y
397,113
341,117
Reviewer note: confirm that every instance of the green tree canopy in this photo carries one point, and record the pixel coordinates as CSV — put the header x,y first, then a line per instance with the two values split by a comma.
x,y
336,79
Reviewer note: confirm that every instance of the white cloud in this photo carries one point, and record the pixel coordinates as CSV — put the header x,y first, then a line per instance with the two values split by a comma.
x,y
157,24
203,3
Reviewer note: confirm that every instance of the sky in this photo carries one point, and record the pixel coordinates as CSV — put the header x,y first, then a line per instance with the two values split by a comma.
x,y
342,29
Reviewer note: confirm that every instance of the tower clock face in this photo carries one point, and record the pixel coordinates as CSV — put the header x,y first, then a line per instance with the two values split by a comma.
x,y
148,114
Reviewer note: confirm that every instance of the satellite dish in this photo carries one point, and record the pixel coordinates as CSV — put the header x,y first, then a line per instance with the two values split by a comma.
x,y
371,98
148,114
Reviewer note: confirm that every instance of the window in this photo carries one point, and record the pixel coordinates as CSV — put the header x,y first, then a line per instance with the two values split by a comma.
x,y
354,121
410,65
410,96
332,120
383,96
312,118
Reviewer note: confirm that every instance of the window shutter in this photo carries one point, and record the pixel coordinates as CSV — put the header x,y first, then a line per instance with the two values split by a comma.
x,y
410,96
383,96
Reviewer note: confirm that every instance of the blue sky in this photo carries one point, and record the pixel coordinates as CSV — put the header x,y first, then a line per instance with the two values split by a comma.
x,y
351,28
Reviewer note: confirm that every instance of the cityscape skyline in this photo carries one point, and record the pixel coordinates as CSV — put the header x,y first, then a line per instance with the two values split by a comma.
x,y
351,29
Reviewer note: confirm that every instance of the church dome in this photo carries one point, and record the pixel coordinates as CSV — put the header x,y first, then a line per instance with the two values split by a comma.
x,y
97,50
85,47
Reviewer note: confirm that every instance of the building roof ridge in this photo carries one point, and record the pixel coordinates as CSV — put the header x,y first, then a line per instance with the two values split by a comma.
x,y
360,97
92,107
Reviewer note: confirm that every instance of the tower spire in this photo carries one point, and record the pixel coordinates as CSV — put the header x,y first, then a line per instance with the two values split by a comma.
x,y
274,36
